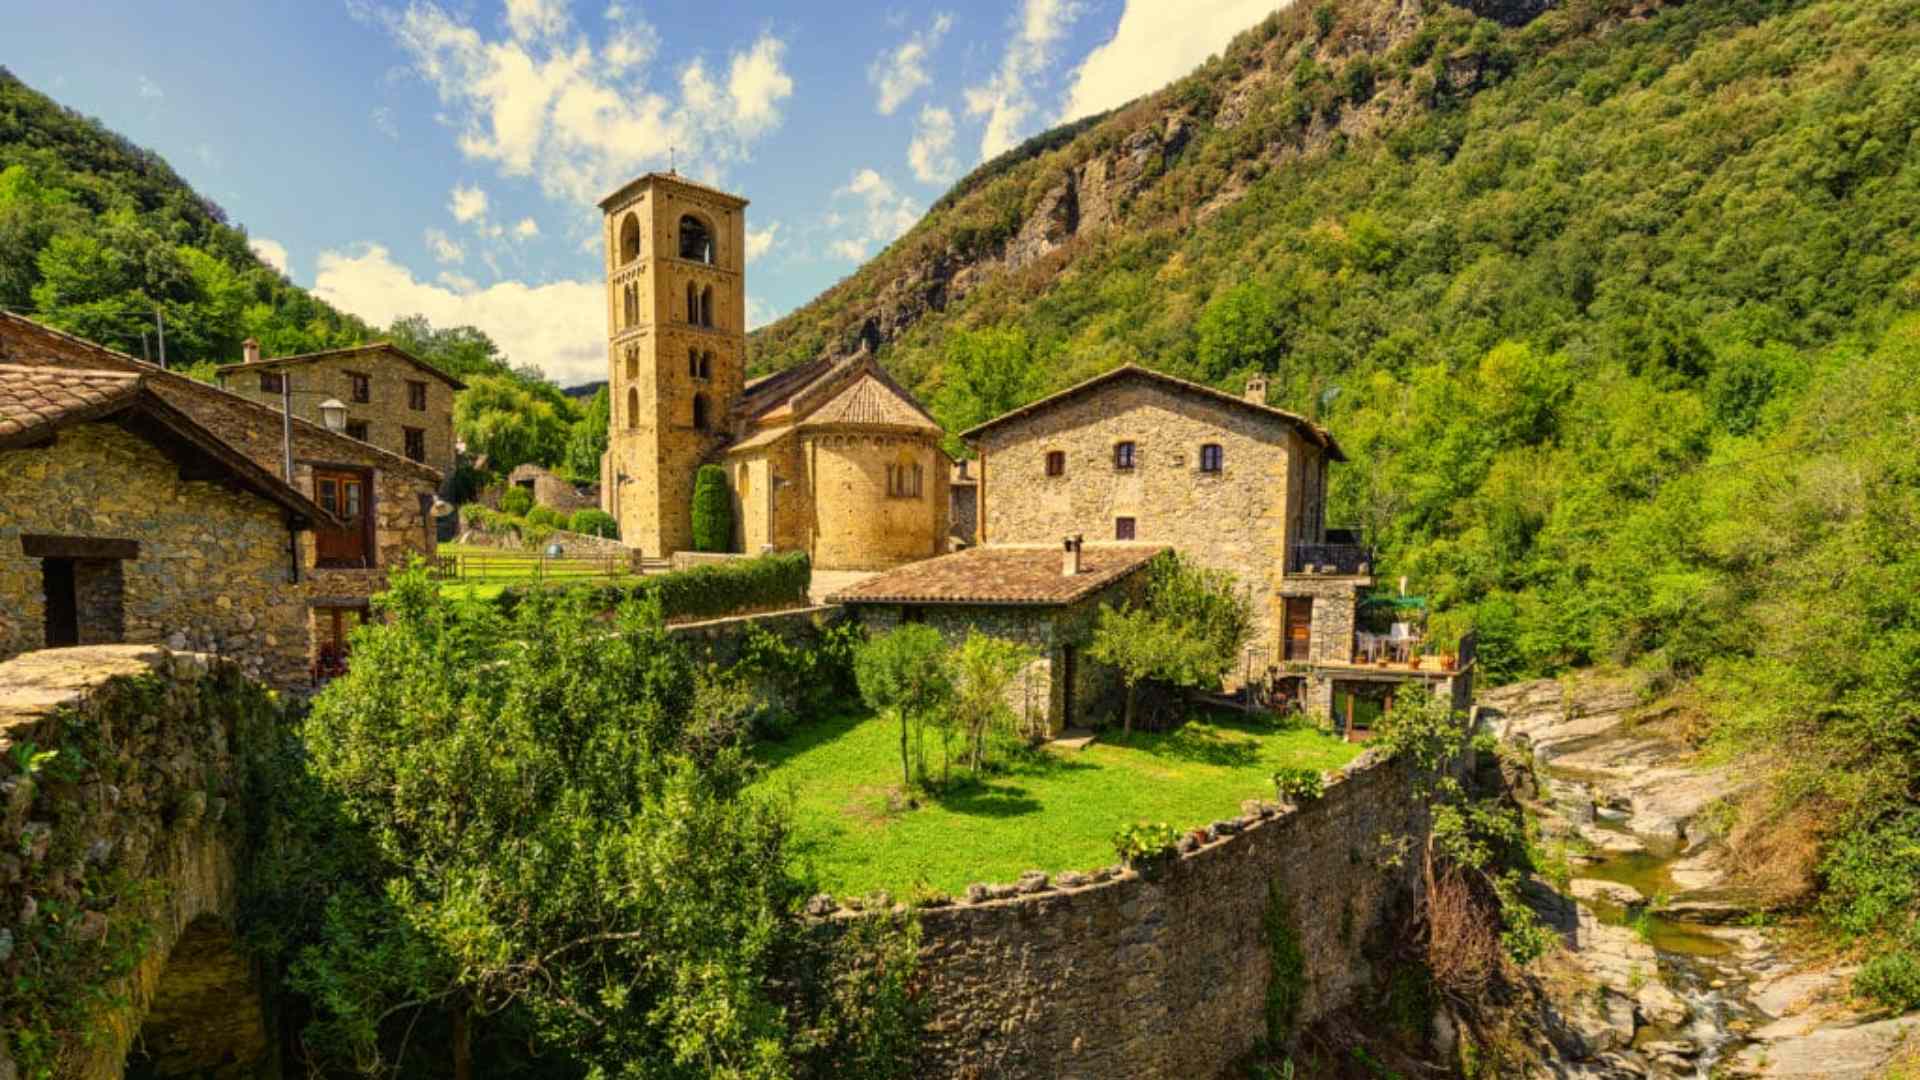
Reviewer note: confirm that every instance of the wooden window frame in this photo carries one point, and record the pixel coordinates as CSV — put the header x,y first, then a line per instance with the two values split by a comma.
x,y
417,395
272,382
359,426
1218,462
1056,463
359,388
408,436
1125,455
1126,528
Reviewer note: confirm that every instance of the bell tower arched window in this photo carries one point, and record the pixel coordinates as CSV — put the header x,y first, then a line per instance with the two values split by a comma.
x,y
706,306
693,363
700,412
630,303
693,304
633,407
630,239
633,362
706,365
696,241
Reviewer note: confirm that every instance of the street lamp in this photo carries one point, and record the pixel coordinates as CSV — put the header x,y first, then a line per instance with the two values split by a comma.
x,y
333,413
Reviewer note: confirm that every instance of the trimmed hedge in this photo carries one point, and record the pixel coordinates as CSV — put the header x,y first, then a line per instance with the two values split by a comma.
x,y
712,510
516,501
547,516
594,523
710,592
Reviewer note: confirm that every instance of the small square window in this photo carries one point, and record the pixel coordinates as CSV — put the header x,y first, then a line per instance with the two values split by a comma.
x,y
1056,463
360,387
1123,455
1123,528
416,443
357,429
417,396
1210,458
270,382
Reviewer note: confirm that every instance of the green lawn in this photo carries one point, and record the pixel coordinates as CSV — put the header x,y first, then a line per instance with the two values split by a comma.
x,y
1055,811
494,571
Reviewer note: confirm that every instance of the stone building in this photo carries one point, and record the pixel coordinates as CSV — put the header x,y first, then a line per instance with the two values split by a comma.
x,y
1044,597
549,489
1135,455
122,519
963,500
397,403
833,458
382,504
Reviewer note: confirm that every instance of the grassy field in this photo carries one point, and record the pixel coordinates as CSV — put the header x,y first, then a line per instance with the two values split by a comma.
x,y
486,572
1052,811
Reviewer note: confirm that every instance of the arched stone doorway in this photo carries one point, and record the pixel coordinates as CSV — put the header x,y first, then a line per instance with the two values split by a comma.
x,y
205,1019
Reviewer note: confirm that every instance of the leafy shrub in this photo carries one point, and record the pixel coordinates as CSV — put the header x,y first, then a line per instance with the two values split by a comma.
x,y
765,583
1144,840
473,514
546,516
1295,784
1893,977
904,673
712,510
798,680
516,501
594,523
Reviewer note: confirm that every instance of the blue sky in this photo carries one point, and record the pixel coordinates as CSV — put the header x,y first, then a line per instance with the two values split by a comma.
x,y
444,157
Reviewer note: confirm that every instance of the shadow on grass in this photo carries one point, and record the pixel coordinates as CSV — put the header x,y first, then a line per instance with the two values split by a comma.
x,y
988,799
805,737
1200,745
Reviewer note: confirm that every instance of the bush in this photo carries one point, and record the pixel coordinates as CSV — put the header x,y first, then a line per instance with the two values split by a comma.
x,y
712,510
1137,843
517,501
1298,785
903,672
474,514
1892,978
730,588
547,517
594,523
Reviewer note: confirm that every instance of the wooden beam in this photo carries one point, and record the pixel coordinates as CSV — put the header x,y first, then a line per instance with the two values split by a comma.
x,y
38,546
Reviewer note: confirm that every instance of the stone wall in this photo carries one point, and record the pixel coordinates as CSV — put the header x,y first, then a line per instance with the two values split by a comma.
x,y
127,861
387,415
551,490
1115,974
718,641
856,524
1240,519
213,565
964,513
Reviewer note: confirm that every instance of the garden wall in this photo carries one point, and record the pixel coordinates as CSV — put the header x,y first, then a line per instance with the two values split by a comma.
x,y
718,641
1111,974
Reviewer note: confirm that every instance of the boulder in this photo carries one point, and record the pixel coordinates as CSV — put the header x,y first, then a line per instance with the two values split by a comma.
x,y
1611,892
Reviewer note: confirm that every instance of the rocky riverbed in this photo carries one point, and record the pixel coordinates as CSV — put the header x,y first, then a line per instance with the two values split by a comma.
x,y
1671,974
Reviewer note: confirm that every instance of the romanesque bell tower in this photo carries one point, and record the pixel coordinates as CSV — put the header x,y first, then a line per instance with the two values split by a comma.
x,y
676,347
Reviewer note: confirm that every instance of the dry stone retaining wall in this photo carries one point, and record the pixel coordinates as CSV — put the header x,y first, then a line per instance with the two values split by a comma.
x,y
1113,974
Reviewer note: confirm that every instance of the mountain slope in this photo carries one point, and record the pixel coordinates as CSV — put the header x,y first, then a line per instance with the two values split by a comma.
x,y
1616,311
96,233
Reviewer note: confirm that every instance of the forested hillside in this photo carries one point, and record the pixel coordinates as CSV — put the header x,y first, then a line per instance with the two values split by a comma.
x,y
1616,312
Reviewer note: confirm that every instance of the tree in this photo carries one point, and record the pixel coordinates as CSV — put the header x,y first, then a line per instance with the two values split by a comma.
x,y
903,673
587,440
712,510
984,373
1188,632
501,418
555,845
982,672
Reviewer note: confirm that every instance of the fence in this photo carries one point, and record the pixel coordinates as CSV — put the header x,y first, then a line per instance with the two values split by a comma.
x,y
504,566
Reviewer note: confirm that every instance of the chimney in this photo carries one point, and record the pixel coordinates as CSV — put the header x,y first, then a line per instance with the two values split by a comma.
x,y
250,351
1257,390
1070,565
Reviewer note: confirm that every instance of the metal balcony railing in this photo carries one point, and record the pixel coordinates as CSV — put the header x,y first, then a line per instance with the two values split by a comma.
x,y
1330,559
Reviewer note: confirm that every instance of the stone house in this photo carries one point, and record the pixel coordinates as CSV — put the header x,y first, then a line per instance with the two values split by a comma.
x,y
1136,455
832,457
394,401
552,490
122,519
381,504
1044,597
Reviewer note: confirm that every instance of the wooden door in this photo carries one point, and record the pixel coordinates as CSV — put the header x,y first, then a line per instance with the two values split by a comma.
x,y
1068,656
1299,632
344,494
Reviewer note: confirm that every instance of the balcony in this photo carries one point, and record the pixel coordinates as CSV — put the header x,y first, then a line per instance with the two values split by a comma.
x,y
1335,558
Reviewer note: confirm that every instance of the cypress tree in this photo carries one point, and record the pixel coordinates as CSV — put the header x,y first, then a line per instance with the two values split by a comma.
x,y
712,510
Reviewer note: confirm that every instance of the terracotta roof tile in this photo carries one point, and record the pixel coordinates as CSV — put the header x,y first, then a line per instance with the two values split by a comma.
x,y
1001,575
871,403
36,400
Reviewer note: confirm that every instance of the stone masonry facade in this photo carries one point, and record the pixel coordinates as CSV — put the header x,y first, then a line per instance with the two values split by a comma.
x,y
213,568
1111,973
1267,493
403,395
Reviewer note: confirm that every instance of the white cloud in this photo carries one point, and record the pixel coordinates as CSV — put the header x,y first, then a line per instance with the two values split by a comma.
x,y
759,313
150,90
443,248
271,252
884,213
383,122
1156,42
467,203
931,152
762,241
557,327
542,101
898,73
527,229
1006,100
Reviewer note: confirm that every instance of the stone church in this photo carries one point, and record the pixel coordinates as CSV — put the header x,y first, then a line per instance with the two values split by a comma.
x,y
832,457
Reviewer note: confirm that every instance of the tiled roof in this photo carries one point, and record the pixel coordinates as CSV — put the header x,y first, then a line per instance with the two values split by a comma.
x,y
36,400
340,354
1314,432
763,394
1013,575
871,403
672,178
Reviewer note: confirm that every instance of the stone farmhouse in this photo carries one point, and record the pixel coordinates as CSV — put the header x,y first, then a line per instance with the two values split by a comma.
x,y
398,403
1045,597
128,521
378,506
1136,456
833,457
551,489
